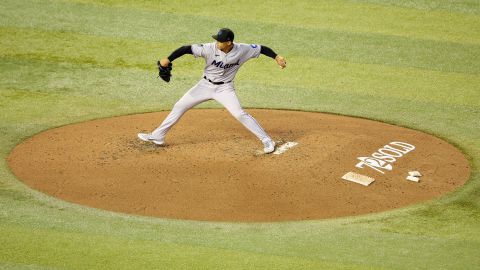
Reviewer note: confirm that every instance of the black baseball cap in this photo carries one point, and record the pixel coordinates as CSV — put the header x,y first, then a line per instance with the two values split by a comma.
x,y
224,35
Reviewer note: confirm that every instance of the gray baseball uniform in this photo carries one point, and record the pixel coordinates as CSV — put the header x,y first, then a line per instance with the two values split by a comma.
x,y
217,83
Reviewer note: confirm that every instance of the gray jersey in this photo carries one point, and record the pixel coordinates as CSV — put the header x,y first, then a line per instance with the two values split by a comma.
x,y
222,67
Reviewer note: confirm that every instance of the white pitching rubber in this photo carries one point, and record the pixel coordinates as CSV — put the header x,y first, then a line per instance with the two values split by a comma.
x,y
284,147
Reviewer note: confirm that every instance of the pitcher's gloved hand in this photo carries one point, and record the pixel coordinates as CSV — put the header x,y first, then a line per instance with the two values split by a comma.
x,y
165,72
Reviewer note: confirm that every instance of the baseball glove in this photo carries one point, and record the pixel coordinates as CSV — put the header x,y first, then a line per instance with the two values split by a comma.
x,y
165,72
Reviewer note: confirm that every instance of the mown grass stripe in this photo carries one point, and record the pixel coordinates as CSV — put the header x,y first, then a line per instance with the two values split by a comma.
x,y
347,16
455,88
460,6
56,249
381,50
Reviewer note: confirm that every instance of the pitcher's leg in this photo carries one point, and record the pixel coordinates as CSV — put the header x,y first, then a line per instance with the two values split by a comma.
x,y
228,98
193,97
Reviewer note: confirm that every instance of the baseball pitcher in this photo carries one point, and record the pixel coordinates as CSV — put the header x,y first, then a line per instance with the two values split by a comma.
x,y
223,59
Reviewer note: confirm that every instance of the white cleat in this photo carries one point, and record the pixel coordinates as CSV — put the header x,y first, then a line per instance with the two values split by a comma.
x,y
147,137
269,146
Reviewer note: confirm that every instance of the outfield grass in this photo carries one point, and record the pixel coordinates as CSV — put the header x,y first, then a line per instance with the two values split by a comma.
x,y
414,64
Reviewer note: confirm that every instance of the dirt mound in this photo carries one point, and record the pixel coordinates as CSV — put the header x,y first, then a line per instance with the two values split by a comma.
x,y
209,169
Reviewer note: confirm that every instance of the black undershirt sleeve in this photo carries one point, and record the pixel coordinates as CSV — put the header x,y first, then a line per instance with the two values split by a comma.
x,y
187,49
268,52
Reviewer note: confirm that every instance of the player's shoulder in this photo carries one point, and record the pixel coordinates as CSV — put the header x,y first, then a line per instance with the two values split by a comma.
x,y
203,45
209,45
248,46
203,49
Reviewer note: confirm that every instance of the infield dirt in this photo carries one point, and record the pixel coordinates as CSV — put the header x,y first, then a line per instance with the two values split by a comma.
x,y
209,170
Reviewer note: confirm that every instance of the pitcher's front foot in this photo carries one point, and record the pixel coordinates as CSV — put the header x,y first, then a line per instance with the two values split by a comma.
x,y
268,146
147,137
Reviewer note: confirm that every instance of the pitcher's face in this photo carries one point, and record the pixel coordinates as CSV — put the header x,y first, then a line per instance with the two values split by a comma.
x,y
224,45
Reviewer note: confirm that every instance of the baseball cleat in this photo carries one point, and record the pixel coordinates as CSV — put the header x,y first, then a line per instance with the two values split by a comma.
x,y
269,146
147,137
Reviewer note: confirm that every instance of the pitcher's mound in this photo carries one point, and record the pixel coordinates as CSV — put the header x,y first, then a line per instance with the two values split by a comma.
x,y
209,169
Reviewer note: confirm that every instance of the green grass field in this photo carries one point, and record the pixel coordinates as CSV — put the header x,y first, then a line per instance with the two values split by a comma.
x,y
410,63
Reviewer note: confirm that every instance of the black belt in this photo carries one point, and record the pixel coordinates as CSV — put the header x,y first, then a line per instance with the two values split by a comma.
x,y
212,82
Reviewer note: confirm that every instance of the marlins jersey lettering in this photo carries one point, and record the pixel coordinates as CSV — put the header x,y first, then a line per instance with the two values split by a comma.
x,y
222,67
